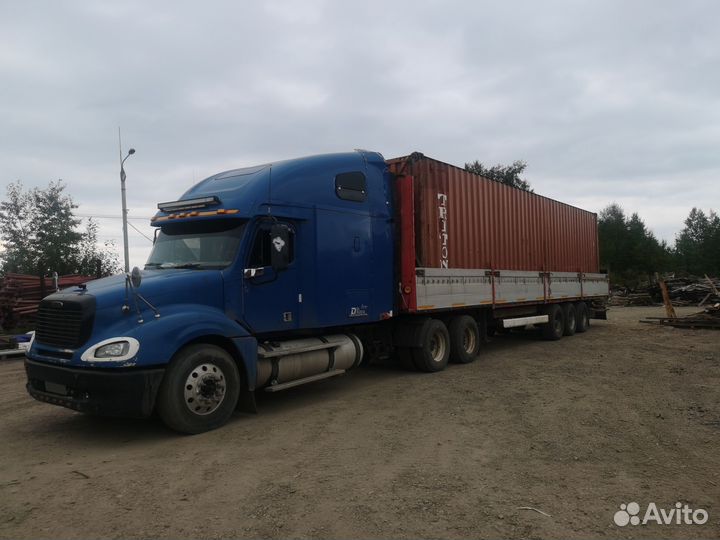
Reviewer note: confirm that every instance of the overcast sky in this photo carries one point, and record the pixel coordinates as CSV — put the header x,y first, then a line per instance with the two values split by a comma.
x,y
606,101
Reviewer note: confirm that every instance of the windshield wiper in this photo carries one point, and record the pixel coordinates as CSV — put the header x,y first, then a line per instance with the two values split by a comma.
x,y
153,265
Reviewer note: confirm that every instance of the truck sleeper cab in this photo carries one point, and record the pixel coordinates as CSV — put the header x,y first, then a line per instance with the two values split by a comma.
x,y
274,276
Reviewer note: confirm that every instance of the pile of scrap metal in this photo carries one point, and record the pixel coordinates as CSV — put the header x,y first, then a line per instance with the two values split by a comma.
x,y
20,294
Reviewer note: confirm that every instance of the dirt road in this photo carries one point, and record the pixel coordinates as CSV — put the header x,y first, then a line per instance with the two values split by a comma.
x,y
626,412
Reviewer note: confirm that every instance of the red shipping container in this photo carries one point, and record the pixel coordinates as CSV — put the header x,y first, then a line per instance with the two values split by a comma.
x,y
463,220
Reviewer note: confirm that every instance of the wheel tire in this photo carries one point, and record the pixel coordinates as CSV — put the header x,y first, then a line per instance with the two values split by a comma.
x,y
555,327
434,353
582,315
464,339
570,316
200,389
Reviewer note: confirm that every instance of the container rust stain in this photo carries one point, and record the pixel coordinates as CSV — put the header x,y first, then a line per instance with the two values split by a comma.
x,y
463,220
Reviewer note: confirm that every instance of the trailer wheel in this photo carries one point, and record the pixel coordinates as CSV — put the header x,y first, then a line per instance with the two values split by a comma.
x,y
570,316
434,353
555,326
200,389
464,339
582,316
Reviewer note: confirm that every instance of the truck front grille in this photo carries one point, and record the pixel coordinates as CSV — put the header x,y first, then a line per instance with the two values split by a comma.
x,y
65,320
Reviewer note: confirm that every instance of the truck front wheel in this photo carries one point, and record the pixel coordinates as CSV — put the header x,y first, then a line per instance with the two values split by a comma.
x,y
200,389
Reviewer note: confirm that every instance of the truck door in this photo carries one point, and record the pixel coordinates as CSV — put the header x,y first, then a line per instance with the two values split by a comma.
x,y
271,296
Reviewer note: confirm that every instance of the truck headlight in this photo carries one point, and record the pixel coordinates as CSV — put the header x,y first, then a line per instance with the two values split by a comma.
x,y
118,349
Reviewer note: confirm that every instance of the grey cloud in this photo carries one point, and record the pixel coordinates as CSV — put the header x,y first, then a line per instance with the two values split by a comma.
x,y
605,100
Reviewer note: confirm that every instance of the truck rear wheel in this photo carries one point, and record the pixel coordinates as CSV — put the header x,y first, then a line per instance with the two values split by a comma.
x,y
555,327
434,353
569,314
464,339
582,315
200,389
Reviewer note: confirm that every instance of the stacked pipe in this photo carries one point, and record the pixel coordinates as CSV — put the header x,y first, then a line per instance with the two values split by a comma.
x,y
20,294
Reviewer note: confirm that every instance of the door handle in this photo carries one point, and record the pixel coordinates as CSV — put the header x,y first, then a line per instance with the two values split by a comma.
x,y
250,273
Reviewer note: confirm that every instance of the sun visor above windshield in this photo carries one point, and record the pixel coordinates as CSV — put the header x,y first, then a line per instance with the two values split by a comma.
x,y
236,193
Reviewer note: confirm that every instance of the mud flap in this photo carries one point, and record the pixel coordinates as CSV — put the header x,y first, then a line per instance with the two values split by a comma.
x,y
246,402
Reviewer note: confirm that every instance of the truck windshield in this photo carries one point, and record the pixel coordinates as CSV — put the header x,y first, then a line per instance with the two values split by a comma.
x,y
200,244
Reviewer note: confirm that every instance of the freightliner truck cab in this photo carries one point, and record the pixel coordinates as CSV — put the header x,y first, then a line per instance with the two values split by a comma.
x,y
258,277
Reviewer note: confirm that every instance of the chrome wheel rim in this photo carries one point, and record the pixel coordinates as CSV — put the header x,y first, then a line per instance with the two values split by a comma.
x,y
205,389
469,340
438,346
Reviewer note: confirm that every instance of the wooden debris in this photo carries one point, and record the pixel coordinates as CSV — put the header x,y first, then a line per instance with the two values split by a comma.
x,y
682,291
712,285
708,318
669,309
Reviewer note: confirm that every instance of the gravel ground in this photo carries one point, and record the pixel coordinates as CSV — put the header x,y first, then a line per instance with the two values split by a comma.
x,y
574,428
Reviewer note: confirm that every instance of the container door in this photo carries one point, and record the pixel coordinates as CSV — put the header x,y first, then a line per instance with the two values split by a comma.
x,y
271,297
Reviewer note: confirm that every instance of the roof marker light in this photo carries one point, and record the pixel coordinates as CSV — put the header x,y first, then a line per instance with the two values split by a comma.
x,y
188,204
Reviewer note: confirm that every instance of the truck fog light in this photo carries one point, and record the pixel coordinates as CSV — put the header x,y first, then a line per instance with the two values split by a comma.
x,y
116,349
119,348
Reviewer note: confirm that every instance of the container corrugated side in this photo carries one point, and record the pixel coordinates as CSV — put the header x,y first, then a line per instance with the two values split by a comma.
x,y
463,220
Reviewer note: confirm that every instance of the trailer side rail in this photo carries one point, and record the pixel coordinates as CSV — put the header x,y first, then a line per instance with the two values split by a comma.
x,y
442,288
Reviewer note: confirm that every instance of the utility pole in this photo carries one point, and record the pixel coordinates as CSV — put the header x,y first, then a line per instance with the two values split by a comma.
x,y
124,203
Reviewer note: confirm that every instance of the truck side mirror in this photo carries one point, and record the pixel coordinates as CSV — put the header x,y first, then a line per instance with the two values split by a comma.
x,y
279,247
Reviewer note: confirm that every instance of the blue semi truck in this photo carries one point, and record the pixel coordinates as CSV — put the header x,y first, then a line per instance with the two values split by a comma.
x,y
278,275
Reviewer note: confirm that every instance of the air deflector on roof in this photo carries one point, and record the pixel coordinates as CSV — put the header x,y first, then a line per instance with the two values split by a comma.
x,y
188,204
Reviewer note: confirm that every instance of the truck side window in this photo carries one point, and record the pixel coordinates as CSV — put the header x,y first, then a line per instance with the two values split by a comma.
x,y
260,254
351,186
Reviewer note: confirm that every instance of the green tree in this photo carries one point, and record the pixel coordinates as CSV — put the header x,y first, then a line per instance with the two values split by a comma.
x,y
613,238
39,232
628,249
90,255
505,174
56,240
16,229
697,247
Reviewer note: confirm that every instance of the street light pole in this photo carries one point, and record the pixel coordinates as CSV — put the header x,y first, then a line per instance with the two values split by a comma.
x,y
124,208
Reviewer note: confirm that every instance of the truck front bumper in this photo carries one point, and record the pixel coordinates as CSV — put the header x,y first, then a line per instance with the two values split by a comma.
x,y
108,392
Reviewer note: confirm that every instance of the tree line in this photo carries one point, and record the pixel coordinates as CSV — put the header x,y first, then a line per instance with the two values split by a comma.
x,y
40,234
630,252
